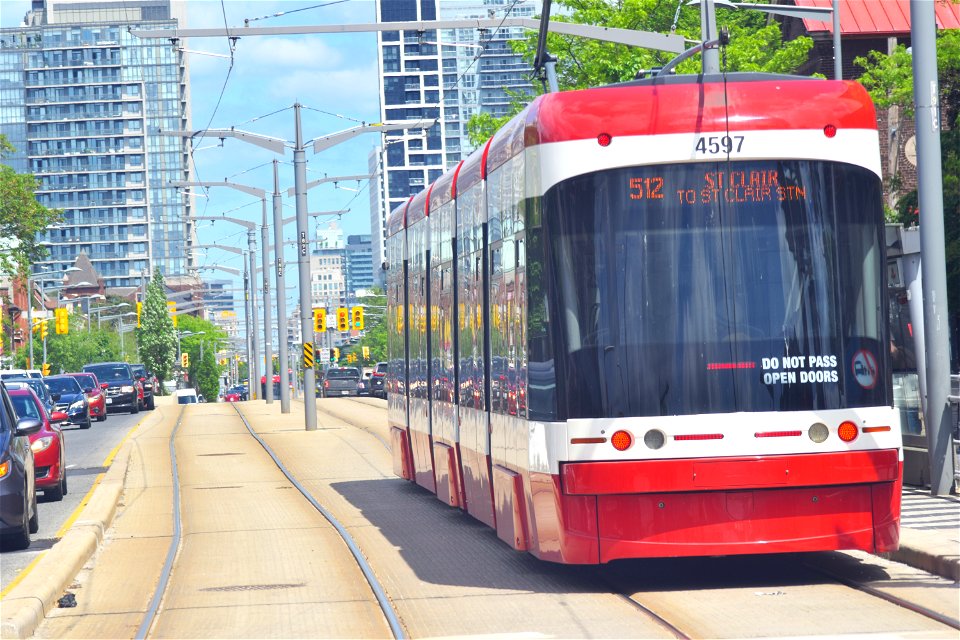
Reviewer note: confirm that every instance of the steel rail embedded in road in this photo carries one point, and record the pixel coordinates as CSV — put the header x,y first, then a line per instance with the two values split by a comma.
x,y
151,612
391,616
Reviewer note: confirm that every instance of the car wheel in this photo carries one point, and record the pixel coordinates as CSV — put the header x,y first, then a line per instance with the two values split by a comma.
x,y
87,423
103,417
21,538
151,405
136,407
56,493
34,523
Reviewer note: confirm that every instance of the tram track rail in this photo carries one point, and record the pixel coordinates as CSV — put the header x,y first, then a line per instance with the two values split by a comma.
x,y
154,609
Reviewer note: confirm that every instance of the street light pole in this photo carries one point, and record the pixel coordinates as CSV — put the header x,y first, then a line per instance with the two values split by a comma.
x,y
265,248
303,263
281,292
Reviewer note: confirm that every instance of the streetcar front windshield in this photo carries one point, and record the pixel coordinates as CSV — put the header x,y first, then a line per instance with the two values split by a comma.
x,y
713,288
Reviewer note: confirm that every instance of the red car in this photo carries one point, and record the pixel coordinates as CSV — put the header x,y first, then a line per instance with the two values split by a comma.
x,y
231,397
95,398
47,444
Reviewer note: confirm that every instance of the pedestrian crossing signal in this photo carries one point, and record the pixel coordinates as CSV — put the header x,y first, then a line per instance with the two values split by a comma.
x,y
357,313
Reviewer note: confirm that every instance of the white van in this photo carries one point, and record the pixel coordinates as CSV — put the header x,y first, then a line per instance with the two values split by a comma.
x,y
187,396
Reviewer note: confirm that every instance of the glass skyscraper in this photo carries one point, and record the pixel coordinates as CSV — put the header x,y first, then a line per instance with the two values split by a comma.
x,y
447,75
83,101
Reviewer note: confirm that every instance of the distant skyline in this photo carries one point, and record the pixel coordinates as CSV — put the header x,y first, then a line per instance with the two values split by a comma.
x,y
328,74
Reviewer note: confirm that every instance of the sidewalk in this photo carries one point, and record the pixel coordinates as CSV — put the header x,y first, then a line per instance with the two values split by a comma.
x,y
930,533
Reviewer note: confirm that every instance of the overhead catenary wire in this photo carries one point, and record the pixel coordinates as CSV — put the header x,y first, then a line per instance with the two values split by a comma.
x,y
279,14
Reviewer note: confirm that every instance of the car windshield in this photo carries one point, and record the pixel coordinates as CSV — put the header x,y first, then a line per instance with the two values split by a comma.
x,y
86,382
186,399
28,383
139,372
25,406
109,372
342,374
381,368
63,385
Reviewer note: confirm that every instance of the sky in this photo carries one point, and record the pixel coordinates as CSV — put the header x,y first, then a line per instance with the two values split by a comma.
x,y
333,75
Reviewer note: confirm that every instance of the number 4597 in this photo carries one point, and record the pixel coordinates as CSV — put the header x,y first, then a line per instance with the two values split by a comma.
x,y
719,144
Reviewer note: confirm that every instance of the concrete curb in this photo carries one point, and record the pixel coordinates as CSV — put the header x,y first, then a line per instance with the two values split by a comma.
x,y
928,551
25,607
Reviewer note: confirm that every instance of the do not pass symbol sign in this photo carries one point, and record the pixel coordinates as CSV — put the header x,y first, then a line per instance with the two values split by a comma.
x,y
864,367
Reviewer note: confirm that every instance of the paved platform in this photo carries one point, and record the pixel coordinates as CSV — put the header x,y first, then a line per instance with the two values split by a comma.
x,y
930,534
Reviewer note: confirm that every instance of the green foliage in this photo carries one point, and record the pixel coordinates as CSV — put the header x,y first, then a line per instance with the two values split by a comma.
x,y
156,340
583,62
375,336
208,338
21,217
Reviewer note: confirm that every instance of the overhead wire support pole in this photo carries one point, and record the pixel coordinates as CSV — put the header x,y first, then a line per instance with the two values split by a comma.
x,y
278,222
926,97
265,249
303,264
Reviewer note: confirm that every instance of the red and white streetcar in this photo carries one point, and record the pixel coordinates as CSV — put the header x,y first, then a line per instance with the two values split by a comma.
x,y
649,320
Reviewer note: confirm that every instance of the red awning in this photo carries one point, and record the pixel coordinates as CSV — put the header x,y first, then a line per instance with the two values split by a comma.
x,y
878,17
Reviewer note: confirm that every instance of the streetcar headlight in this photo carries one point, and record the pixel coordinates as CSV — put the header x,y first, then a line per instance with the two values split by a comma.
x,y
818,432
654,439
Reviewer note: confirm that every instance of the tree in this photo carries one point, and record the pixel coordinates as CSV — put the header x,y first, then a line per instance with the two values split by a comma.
x,y
70,351
156,339
207,339
889,79
754,45
21,217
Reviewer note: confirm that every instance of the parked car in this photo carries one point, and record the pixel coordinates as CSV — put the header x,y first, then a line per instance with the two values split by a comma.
x,y
95,398
119,385
39,387
341,381
8,374
378,381
47,444
149,383
19,516
187,396
68,397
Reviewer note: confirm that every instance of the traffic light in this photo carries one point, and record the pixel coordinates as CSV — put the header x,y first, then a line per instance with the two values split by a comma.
x,y
43,330
184,360
366,353
343,319
357,318
319,320
336,355
61,321
172,309
139,310
46,368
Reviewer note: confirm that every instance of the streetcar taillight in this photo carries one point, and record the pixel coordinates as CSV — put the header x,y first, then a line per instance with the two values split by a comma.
x,y
604,139
830,131
818,432
847,431
621,440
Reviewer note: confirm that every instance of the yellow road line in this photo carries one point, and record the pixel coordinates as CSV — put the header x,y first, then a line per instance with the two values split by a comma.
x,y
76,512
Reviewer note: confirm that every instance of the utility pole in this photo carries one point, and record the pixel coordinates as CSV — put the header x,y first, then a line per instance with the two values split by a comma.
x,y
303,264
281,292
926,97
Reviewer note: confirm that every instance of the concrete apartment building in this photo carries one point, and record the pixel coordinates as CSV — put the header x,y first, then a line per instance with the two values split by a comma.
x,y
82,100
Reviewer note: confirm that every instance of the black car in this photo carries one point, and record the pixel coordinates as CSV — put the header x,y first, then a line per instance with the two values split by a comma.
x,y
377,380
149,383
39,387
18,495
68,396
118,383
